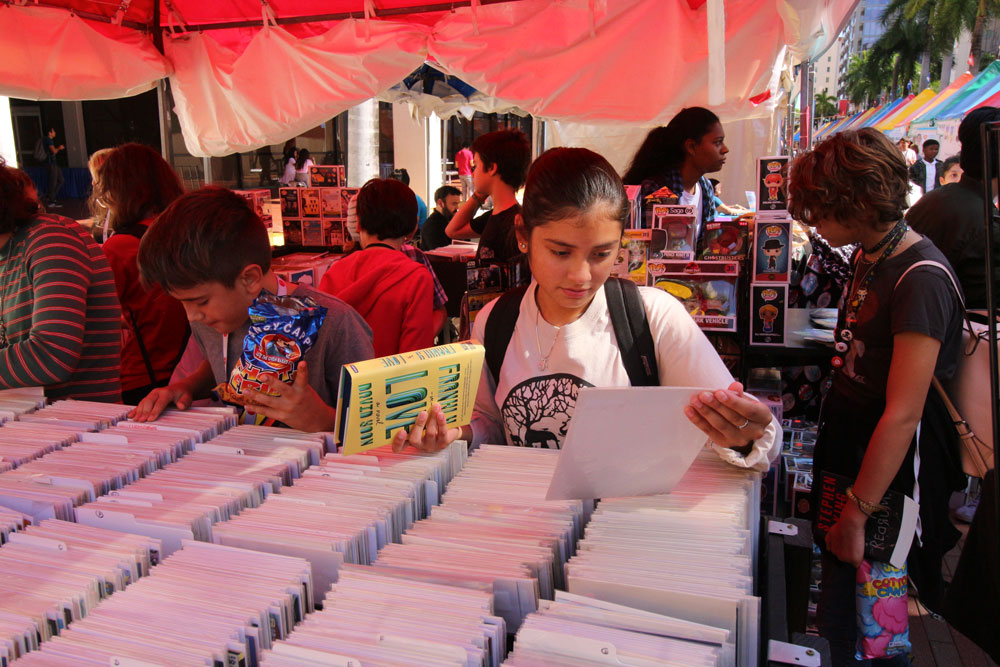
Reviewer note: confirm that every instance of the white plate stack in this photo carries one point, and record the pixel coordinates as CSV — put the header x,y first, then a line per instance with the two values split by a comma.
x,y
206,604
57,572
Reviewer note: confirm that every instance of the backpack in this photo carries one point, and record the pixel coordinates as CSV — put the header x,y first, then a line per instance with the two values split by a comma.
x,y
39,152
628,318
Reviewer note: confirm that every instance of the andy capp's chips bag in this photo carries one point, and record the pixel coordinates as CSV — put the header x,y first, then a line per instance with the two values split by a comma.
x,y
282,329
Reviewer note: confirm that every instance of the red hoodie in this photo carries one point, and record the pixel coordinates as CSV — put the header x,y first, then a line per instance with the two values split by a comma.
x,y
391,291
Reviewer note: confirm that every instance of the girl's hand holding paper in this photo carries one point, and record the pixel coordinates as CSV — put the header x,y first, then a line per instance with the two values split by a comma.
x,y
728,416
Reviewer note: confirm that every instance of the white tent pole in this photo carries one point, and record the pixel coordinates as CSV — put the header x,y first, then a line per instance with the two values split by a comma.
x,y
362,143
8,149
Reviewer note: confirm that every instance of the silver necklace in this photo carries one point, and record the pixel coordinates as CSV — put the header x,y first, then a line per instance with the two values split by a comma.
x,y
543,365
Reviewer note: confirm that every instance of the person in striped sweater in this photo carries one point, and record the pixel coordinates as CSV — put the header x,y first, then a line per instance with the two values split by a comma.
x,y
59,314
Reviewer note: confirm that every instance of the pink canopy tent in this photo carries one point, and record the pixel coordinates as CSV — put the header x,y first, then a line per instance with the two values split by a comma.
x,y
245,73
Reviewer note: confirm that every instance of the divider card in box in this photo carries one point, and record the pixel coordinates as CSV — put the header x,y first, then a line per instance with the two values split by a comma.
x,y
380,396
768,313
681,227
289,202
772,251
772,187
707,289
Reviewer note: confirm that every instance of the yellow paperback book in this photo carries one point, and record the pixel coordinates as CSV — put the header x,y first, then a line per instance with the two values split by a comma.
x,y
380,396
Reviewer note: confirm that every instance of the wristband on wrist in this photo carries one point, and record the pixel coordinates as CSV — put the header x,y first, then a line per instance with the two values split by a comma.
x,y
866,507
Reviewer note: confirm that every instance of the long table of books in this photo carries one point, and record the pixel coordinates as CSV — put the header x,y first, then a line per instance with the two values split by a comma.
x,y
192,540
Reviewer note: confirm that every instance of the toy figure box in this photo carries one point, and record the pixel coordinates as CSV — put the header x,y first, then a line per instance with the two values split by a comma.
x,y
310,203
289,202
680,225
634,207
768,313
772,251
631,260
664,196
326,176
726,239
772,187
707,289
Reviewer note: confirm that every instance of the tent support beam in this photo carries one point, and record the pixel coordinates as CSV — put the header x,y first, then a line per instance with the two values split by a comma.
x,y
319,18
315,18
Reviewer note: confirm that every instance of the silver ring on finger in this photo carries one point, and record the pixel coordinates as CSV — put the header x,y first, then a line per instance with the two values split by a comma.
x,y
744,425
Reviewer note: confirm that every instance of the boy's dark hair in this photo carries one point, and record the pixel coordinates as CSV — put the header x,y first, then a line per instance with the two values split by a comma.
x,y
714,182
446,191
134,183
972,142
930,142
387,209
17,205
509,150
400,175
852,176
663,148
206,236
566,182
951,162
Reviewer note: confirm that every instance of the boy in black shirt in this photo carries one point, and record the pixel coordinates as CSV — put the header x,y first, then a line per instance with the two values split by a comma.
x,y
500,166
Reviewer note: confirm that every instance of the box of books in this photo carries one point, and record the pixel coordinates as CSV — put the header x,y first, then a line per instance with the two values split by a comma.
x,y
680,227
707,289
379,397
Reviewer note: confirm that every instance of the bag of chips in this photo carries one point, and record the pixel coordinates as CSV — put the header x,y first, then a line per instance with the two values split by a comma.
x,y
282,329
883,617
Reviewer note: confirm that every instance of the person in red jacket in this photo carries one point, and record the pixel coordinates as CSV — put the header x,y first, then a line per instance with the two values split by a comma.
x,y
393,293
135,184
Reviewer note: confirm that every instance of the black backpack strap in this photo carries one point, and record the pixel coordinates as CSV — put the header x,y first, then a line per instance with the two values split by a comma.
x,y
500,328
635,340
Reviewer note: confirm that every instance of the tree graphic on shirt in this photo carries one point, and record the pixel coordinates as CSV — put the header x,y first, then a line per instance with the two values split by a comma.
x,y
537,412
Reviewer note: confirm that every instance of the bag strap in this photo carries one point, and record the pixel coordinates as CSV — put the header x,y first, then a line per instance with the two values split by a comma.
x,y
142,345
958,293
500,328
635,340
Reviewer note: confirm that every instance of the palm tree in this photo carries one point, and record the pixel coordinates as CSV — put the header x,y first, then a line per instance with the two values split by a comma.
x,y
825,104
949,17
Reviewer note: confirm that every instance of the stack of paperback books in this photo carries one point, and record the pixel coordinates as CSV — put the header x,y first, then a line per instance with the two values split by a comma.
x,y
371,618
56,573
494,531
345,509
575,630
205,605
689,555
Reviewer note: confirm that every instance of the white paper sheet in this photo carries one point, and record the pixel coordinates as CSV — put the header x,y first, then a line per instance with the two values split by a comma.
x,y
626,442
